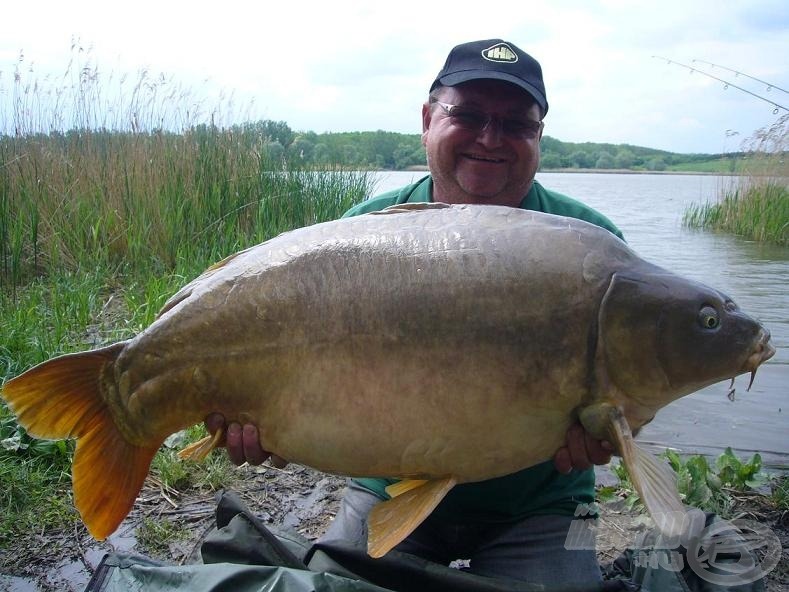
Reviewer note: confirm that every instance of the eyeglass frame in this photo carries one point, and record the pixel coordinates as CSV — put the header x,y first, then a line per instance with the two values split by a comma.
x,y
529,133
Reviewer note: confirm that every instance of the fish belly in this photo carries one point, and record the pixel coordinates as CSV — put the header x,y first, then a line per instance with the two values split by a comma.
x,y
371,347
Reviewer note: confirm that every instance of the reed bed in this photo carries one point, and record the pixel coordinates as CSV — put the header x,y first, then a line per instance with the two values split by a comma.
x,y
99,171
150,201
756,206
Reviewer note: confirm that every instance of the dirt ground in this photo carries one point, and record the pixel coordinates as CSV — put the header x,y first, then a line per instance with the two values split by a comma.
x,y
295,497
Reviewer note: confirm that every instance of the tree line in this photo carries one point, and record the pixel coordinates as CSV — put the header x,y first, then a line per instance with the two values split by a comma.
x,y
384,150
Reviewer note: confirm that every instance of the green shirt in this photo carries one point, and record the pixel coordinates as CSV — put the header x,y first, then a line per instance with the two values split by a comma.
x,y
540,489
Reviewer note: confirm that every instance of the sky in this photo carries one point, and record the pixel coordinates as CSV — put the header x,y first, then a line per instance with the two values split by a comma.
x,y
346,65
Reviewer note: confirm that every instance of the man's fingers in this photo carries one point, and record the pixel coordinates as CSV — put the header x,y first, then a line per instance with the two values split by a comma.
x,y
253,453
576,444
242,442
598,451
215,422
581,451
234,443
562,461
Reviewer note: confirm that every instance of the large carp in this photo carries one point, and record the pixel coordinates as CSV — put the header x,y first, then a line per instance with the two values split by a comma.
x,y
439,344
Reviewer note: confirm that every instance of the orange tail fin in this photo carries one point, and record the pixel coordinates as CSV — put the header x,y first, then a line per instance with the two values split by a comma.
x,y
62,398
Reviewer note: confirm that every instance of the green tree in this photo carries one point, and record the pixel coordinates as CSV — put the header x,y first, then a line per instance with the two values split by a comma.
x,y
321,154
301,149
350,154
274,151
278,131
551,160
624,159
605,161
580,159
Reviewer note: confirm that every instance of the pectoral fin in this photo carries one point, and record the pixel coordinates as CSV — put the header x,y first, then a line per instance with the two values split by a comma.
x,y
391,521
655,482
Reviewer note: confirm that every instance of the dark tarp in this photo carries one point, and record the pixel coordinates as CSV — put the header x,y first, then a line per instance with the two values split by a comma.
x,y
243,555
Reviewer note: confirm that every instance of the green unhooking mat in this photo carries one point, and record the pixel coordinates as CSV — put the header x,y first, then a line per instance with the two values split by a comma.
x,y
243,555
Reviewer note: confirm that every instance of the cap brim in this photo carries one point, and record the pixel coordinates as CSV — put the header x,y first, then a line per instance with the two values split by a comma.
x,y
460,77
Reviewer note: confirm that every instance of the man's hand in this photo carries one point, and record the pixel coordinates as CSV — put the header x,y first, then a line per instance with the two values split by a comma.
x,y
581,451
242,442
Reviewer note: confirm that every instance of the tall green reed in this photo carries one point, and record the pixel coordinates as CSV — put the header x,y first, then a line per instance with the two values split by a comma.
x,y
142,185
756,206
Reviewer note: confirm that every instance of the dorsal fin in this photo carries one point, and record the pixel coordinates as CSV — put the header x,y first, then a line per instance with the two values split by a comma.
x,y
186,291
413,207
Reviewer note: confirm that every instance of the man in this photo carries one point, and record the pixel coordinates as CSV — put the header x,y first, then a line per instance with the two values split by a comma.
x,y
481,128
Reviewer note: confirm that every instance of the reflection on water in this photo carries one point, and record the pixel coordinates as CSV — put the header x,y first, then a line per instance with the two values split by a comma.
x,y
648,209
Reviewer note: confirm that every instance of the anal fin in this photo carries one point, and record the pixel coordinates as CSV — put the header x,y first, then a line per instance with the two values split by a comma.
x,y
391,521
404,486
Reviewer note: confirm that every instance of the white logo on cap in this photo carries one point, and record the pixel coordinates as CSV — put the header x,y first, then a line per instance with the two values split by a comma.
x,y
501,52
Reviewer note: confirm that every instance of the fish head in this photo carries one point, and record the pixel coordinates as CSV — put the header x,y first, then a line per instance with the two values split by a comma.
x,y
662,337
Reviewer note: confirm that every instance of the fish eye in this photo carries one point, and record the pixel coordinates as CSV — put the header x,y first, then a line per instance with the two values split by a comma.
x,y
708,318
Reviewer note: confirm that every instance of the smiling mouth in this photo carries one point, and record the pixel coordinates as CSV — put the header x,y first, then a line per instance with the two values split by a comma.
x,y
484,158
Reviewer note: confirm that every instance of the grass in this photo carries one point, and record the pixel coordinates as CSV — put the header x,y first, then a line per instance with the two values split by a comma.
x,y
101,220
156,535
779,493
717,166
151,203
35,483
757,206
212,474
710,486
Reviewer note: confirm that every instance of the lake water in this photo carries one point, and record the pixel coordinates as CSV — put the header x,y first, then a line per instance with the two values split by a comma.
x,y
648,209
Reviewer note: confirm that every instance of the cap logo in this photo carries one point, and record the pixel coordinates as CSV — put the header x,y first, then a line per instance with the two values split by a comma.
x,y
501,52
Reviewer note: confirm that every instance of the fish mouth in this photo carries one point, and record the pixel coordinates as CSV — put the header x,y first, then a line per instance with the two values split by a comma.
x,y
763,351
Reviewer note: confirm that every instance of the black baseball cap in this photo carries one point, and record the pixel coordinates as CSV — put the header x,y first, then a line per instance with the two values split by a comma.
x,y
497,59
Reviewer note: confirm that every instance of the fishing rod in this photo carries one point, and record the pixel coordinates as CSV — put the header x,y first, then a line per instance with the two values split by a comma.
x,y
727,84
736,73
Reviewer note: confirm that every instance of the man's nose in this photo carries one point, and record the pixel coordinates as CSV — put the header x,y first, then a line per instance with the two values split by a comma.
x,y
491,135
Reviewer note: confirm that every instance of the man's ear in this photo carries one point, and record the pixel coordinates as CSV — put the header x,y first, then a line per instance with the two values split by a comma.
x,y
426,115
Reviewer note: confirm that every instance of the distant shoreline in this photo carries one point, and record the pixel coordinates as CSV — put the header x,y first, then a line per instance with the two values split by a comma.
x,y
632,172
421,168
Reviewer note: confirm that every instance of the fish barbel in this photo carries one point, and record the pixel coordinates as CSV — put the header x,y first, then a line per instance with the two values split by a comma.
x,y
437,344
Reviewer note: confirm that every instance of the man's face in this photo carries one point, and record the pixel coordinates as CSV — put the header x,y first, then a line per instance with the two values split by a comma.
x,y
487,167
